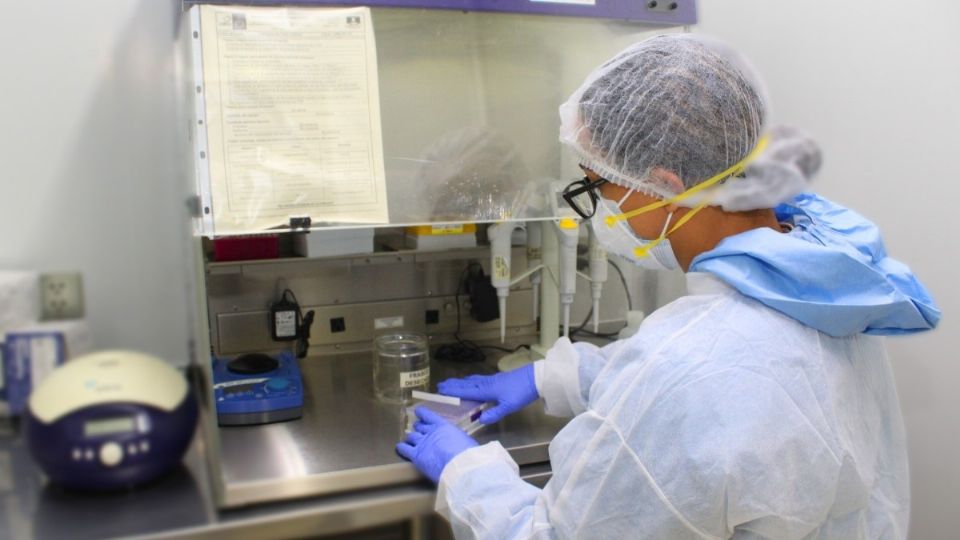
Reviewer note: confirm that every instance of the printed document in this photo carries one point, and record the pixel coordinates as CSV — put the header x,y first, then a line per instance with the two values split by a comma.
x,y
293,117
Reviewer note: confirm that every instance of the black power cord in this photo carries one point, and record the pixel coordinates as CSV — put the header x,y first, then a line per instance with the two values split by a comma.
x,y
303,341
303,330
465,350
609,335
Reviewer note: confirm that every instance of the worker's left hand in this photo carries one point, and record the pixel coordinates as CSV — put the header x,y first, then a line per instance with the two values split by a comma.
x,y
433,443
512,390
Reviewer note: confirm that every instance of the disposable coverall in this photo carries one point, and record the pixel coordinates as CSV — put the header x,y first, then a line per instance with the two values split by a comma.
x,y
759,405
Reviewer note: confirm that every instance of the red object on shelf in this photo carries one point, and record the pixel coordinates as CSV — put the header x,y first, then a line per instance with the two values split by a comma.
x,y
245,248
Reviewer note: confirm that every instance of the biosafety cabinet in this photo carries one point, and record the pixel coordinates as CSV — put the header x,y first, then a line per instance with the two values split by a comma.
x,y
364,156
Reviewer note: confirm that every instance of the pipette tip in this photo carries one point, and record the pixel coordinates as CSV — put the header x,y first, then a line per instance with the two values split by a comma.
x,y
503,319
596,316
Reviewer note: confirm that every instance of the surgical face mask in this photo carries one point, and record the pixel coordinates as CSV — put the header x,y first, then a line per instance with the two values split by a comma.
x,y
616,236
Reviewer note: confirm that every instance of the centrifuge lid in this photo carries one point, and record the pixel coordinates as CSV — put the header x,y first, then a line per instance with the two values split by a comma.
x,y
108,377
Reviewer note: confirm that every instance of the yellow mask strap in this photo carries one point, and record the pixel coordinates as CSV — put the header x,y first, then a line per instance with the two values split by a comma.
x,y
643,251
736,168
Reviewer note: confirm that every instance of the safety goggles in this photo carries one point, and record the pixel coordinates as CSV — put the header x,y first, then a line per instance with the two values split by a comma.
x,y
581,195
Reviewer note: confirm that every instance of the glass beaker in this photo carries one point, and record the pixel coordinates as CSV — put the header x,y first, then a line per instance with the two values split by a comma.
x,y
401,364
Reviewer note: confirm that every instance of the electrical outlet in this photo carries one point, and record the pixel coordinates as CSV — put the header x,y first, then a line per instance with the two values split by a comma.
x,y
61,296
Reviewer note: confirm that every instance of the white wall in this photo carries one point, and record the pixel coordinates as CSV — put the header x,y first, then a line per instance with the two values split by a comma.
x,y
88,162
878,83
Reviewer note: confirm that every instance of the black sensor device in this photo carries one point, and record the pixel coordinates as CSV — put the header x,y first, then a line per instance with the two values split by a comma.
x,y
285,319
483,297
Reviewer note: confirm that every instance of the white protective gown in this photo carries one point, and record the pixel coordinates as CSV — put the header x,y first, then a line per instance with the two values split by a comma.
x,y
719,418
760,405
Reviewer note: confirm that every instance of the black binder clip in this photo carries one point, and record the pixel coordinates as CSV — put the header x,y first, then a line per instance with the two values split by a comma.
x,y
300,222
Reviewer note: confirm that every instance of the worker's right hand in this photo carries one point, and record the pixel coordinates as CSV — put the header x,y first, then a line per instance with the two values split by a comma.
x,y
512,390
433,443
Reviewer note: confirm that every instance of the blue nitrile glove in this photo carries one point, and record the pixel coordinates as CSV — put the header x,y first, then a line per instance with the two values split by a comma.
x,y
512,390
433,443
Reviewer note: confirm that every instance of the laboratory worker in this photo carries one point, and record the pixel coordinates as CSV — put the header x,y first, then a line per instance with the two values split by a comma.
x,y
759,405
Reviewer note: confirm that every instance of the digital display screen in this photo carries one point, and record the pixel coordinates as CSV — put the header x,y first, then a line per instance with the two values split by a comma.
x,y
238,389
109,426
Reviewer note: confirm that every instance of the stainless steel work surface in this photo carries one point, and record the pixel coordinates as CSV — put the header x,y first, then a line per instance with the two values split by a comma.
x,y
346,437
180,506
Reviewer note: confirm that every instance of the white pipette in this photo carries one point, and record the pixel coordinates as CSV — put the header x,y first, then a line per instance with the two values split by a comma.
x,y
568,235
499,236
598,276
534,259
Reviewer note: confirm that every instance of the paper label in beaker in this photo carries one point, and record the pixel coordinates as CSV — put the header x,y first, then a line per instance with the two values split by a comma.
x,y
412,379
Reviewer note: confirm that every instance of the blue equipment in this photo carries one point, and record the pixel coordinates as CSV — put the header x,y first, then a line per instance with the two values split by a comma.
x,y
257,389
110,420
